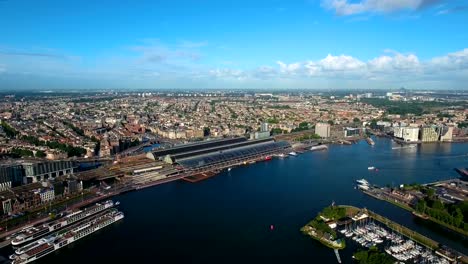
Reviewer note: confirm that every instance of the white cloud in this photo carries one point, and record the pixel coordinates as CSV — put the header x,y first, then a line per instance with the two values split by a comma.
x,y
289,68
341,63
265,72
451,61
389,66
227,74
397,62
346,7
153,64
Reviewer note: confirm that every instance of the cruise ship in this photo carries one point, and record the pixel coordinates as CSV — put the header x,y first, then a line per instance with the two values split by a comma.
x,y
34,232
44,246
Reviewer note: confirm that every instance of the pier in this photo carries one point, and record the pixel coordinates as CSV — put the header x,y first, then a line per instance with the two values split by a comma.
x,y
337,255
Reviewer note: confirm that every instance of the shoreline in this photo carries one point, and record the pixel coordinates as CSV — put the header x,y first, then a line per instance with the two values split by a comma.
x,y
413,211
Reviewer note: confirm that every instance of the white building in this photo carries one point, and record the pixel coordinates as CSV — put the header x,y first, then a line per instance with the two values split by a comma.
x,y
47,195
398,131
411,134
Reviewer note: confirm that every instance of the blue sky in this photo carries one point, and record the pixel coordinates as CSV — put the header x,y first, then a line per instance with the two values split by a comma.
x,y
325,44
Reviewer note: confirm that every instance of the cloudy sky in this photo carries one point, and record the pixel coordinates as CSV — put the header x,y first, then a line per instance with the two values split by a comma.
x,y
324,44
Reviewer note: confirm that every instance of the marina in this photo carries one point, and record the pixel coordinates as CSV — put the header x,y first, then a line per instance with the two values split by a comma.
x,y
369,230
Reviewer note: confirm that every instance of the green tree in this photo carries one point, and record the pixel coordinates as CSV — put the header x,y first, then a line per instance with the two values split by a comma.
x,y
40,154
421,206
438,205
458,217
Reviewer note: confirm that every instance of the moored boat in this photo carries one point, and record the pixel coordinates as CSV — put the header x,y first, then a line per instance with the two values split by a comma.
x,y
35,232
362,181
319,147
34,251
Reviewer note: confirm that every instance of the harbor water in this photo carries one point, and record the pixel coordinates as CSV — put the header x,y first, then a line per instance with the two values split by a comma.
x,y
252,214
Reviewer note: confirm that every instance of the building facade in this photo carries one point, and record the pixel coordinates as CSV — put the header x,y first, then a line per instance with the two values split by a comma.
x,y
446,133
411,134
37,171
323,130
352,132
429,134
11,175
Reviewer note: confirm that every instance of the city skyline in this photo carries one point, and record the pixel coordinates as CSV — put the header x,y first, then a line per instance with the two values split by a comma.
x,y
329,44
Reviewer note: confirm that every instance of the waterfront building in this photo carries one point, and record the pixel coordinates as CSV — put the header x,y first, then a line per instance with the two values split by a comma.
x,y
398,131
188,148
323,130
411,134
232,155
351,132
446,133
430,134
37,171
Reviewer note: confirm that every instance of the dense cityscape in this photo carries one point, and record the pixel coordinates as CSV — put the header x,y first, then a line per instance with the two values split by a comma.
x,y
309,131
63,151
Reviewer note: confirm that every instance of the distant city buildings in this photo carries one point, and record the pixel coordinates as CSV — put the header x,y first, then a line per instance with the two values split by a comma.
x,y
48,132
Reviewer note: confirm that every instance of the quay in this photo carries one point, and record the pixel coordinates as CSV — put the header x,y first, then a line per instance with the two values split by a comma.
x,y
200,177
406,202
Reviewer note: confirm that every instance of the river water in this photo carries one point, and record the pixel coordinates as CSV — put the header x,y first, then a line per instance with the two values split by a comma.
x,y
227,218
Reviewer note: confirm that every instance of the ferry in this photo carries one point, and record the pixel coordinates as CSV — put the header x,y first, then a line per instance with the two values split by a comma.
x,y
35,232
42,247
363,182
